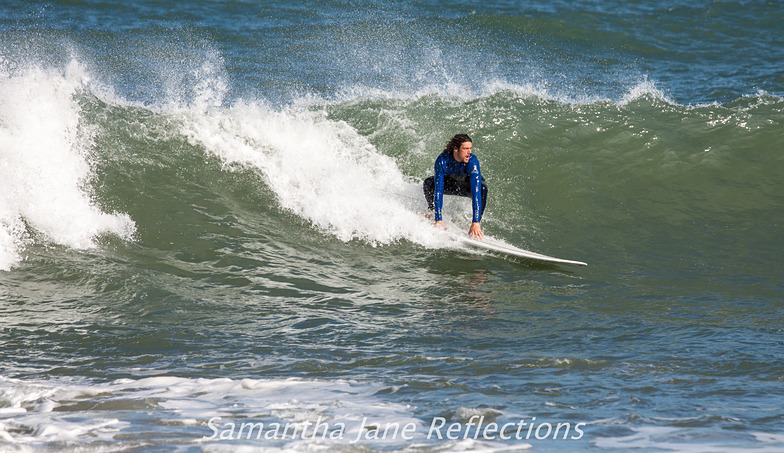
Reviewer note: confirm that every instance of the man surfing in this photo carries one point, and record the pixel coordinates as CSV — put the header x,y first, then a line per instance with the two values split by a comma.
x,y
457,173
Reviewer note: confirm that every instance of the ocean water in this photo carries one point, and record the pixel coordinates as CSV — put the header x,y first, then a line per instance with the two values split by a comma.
x,y
212,231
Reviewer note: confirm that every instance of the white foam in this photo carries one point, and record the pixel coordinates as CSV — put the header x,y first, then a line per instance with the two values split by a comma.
x,y
320,169
173,411
45,165
88,412
691,440
169,412
641,89
537,87
644,88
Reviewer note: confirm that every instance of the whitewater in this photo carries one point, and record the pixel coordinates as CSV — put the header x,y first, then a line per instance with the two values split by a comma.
x,y
213,235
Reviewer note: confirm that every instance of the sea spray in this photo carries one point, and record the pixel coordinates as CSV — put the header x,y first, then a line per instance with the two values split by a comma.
x,y
45,167
645,138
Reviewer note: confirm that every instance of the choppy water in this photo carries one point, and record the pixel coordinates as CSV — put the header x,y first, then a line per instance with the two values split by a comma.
x,y
213,209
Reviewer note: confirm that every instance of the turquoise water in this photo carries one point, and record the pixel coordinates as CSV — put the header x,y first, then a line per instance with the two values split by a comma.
x,y
211,214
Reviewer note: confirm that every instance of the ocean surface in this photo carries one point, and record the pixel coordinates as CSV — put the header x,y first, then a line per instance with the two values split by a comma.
x,y
213,234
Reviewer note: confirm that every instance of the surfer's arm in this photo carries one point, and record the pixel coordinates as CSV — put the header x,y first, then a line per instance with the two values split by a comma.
x,y
475,178
438,195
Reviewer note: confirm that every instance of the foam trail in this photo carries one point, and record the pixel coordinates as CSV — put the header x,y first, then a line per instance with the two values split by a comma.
x,y
44,165
210,413
31,413
320,169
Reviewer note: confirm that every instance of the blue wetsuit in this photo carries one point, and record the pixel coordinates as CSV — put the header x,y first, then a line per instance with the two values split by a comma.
x,y
452,174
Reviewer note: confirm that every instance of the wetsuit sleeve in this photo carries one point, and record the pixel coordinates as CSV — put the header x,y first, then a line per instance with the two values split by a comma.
x,y
438,195
475,178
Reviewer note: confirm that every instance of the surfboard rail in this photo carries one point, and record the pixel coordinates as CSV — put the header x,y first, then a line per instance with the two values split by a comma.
x,y
494,245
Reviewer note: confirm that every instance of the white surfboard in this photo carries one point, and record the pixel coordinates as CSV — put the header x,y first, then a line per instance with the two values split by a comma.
x,y
494,245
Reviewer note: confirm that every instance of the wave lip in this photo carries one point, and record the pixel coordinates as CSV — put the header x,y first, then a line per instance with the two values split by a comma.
x,y
45,166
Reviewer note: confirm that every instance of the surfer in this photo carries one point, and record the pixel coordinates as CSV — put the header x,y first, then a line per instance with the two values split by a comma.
x,y
457,173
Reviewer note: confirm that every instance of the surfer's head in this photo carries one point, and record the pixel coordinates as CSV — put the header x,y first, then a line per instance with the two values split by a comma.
x,y
460,147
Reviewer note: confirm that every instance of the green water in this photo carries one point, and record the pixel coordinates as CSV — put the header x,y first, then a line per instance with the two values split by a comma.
x,y
216,211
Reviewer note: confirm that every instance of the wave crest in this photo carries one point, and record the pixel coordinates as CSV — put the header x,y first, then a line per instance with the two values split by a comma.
x,y
45,165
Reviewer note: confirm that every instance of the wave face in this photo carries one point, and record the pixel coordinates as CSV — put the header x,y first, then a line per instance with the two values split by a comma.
x,y
214,209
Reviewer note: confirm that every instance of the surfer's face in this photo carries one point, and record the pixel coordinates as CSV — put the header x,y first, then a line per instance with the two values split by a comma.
x,y
463,153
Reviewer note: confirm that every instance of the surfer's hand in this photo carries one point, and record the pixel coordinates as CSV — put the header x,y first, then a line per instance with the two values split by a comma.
x,y
439,224
476,231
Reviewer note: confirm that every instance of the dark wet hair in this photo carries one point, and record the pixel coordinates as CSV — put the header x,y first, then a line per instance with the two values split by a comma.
x,y
456,141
